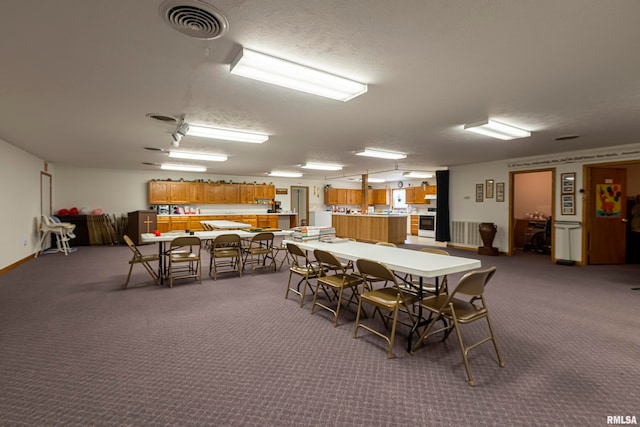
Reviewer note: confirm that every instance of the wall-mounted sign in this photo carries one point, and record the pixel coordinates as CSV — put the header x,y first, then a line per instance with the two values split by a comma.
x,y
282,191
608,200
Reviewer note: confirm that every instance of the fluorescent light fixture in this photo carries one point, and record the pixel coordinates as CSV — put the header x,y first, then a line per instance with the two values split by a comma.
x,y
417,175
183,168
497,130
226,134
285,174
375,180
269,69
381,154
197,156
322,166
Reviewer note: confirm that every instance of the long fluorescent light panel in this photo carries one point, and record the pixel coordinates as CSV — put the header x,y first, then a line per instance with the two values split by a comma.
x,y
269,69
285,174
322,166
226,134
183,168
497,130
197,156
381,154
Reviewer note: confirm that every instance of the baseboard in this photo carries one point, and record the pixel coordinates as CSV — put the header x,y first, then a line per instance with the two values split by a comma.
x,y
15,264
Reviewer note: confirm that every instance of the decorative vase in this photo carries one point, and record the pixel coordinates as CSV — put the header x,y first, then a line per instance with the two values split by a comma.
x,y
488,232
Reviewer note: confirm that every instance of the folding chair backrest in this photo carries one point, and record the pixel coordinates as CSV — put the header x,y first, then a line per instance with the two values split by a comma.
x,y
129,242
474,282
185,241
263,237
375,270
227,240
434,251
299,258
328,260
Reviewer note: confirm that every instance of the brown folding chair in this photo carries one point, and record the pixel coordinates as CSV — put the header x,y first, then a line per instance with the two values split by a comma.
x,y
259,251
336,282
226,255
185,264
393,300
461,312
139,258
301,266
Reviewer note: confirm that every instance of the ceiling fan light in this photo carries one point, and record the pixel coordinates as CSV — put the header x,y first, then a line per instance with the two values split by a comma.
x,y
497,130
280,72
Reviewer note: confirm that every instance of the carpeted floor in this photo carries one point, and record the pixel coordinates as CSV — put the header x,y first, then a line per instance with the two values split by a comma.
x,y
76,350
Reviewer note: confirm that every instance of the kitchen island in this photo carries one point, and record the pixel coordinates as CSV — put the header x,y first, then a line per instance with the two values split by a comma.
x,y
371,227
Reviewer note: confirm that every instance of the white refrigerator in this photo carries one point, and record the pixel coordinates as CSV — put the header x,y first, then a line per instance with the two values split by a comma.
x,y
320,218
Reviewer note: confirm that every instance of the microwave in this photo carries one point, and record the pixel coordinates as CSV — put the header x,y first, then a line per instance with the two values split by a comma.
x,y
163,210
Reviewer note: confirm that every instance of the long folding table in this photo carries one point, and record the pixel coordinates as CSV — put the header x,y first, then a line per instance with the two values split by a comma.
x,y
203,235
400,260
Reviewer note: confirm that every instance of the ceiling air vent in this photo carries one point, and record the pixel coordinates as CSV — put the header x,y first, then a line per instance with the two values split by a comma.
x,y
194,18
163,118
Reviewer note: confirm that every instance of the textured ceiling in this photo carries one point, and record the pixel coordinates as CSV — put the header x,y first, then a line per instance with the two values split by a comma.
x,y
77,78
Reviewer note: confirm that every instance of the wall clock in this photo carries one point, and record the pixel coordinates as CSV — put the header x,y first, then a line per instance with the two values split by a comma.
x,y
400,184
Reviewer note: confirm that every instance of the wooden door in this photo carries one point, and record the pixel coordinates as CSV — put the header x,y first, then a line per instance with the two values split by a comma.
x,y
606,214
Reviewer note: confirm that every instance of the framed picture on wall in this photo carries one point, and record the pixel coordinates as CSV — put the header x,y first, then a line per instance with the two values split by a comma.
x,y
489,188
500,192
568,204
479,192
568,181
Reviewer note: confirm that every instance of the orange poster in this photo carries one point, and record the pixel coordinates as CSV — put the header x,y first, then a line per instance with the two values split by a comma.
x,y
608,200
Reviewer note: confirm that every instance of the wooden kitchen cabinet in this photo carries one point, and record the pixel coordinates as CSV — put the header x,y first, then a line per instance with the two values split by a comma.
x,y
159,192
163,224
414,225
179,223
230,193
379,196
264,191
198,192
247,193
330,196
213,194
250,219
180,192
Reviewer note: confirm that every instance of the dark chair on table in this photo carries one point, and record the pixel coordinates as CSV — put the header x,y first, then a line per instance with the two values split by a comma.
x,y
393,300
139,258
184,259
226,255
461,312
259,253
336,282
301,266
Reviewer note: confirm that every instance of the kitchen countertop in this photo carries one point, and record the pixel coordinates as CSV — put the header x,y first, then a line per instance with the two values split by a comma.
x,y
232,213
373,215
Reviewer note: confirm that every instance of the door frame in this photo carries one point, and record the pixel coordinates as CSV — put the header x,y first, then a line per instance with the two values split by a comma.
x,y
305,189
512,189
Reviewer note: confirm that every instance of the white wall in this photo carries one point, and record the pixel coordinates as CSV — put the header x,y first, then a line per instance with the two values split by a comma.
x,y
121,191
463,179
20,195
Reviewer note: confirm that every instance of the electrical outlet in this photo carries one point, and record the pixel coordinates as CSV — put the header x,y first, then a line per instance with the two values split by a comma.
x,y
25,242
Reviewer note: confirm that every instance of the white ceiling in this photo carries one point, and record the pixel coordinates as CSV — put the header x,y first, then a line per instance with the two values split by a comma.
x,y
77,78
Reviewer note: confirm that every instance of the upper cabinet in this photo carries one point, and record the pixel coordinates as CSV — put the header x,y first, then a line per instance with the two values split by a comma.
x,y
180,192
159,192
